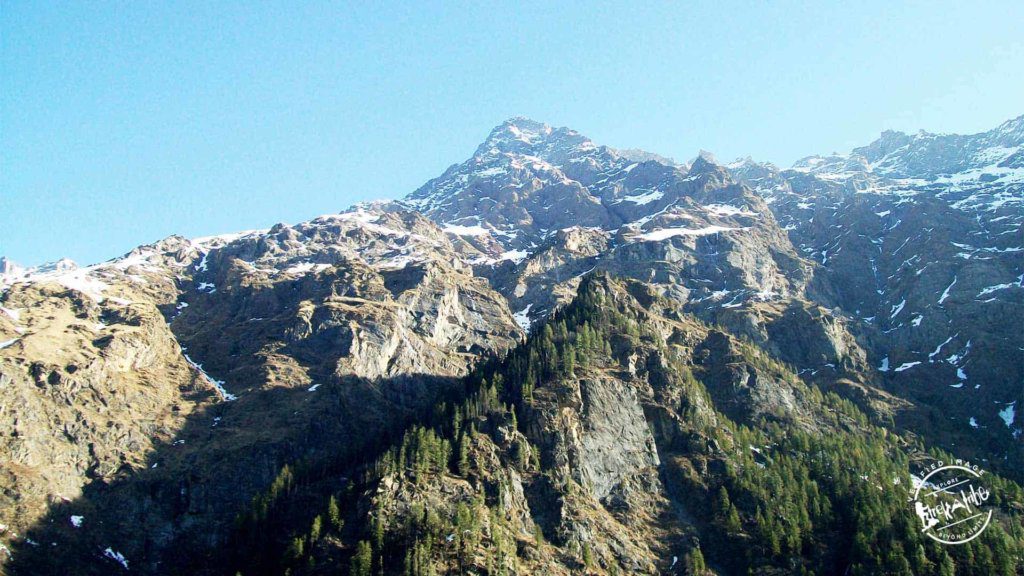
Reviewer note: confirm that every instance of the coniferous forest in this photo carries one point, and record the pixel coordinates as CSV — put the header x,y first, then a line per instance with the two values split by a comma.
x,y
821,491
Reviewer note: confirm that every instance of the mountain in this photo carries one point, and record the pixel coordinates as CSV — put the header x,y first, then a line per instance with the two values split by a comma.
x,y
920,238
550,358
895,269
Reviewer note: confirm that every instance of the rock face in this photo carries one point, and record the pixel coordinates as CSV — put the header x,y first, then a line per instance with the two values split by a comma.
x,y
602,439
366,293
88,388
168,387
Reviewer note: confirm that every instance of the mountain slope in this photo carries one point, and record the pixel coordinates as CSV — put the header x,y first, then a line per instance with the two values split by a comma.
x,y
921,239
892,271
193,403
162,389
627,437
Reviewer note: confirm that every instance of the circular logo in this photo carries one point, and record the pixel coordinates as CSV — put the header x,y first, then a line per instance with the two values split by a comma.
x,y
950,501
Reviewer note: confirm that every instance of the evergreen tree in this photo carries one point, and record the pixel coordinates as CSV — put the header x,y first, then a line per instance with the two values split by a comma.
x,y
694,563
463,457
362,560
334,514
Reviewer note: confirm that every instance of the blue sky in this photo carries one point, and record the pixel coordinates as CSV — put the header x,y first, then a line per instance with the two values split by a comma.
x,y
122,123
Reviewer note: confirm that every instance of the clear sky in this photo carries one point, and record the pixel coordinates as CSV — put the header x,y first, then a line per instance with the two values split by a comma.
x,y
122,123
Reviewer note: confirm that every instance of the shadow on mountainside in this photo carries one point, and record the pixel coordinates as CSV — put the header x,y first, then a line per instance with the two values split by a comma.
x,y
175,515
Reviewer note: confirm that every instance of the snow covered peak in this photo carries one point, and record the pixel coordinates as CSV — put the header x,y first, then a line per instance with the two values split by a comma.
x,y
704,163
524,137
707,156
1009,133
516,134
741,163
62,265
638,155
890,141
11,272
524,127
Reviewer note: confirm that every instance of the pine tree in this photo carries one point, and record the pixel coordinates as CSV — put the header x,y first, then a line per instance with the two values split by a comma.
x,y
694,563
569,361
463,458
946,566
314,530
732,520
362,561
297,549
334,514
378,534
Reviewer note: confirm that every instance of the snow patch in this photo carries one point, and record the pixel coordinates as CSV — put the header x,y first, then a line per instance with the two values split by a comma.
x,y
515,256
116,557
997,287
647,197
939,347
465,230
906,366
945,293
1008,414
956,358
306,267
523,318
218,384
897,308
666,233
728,210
